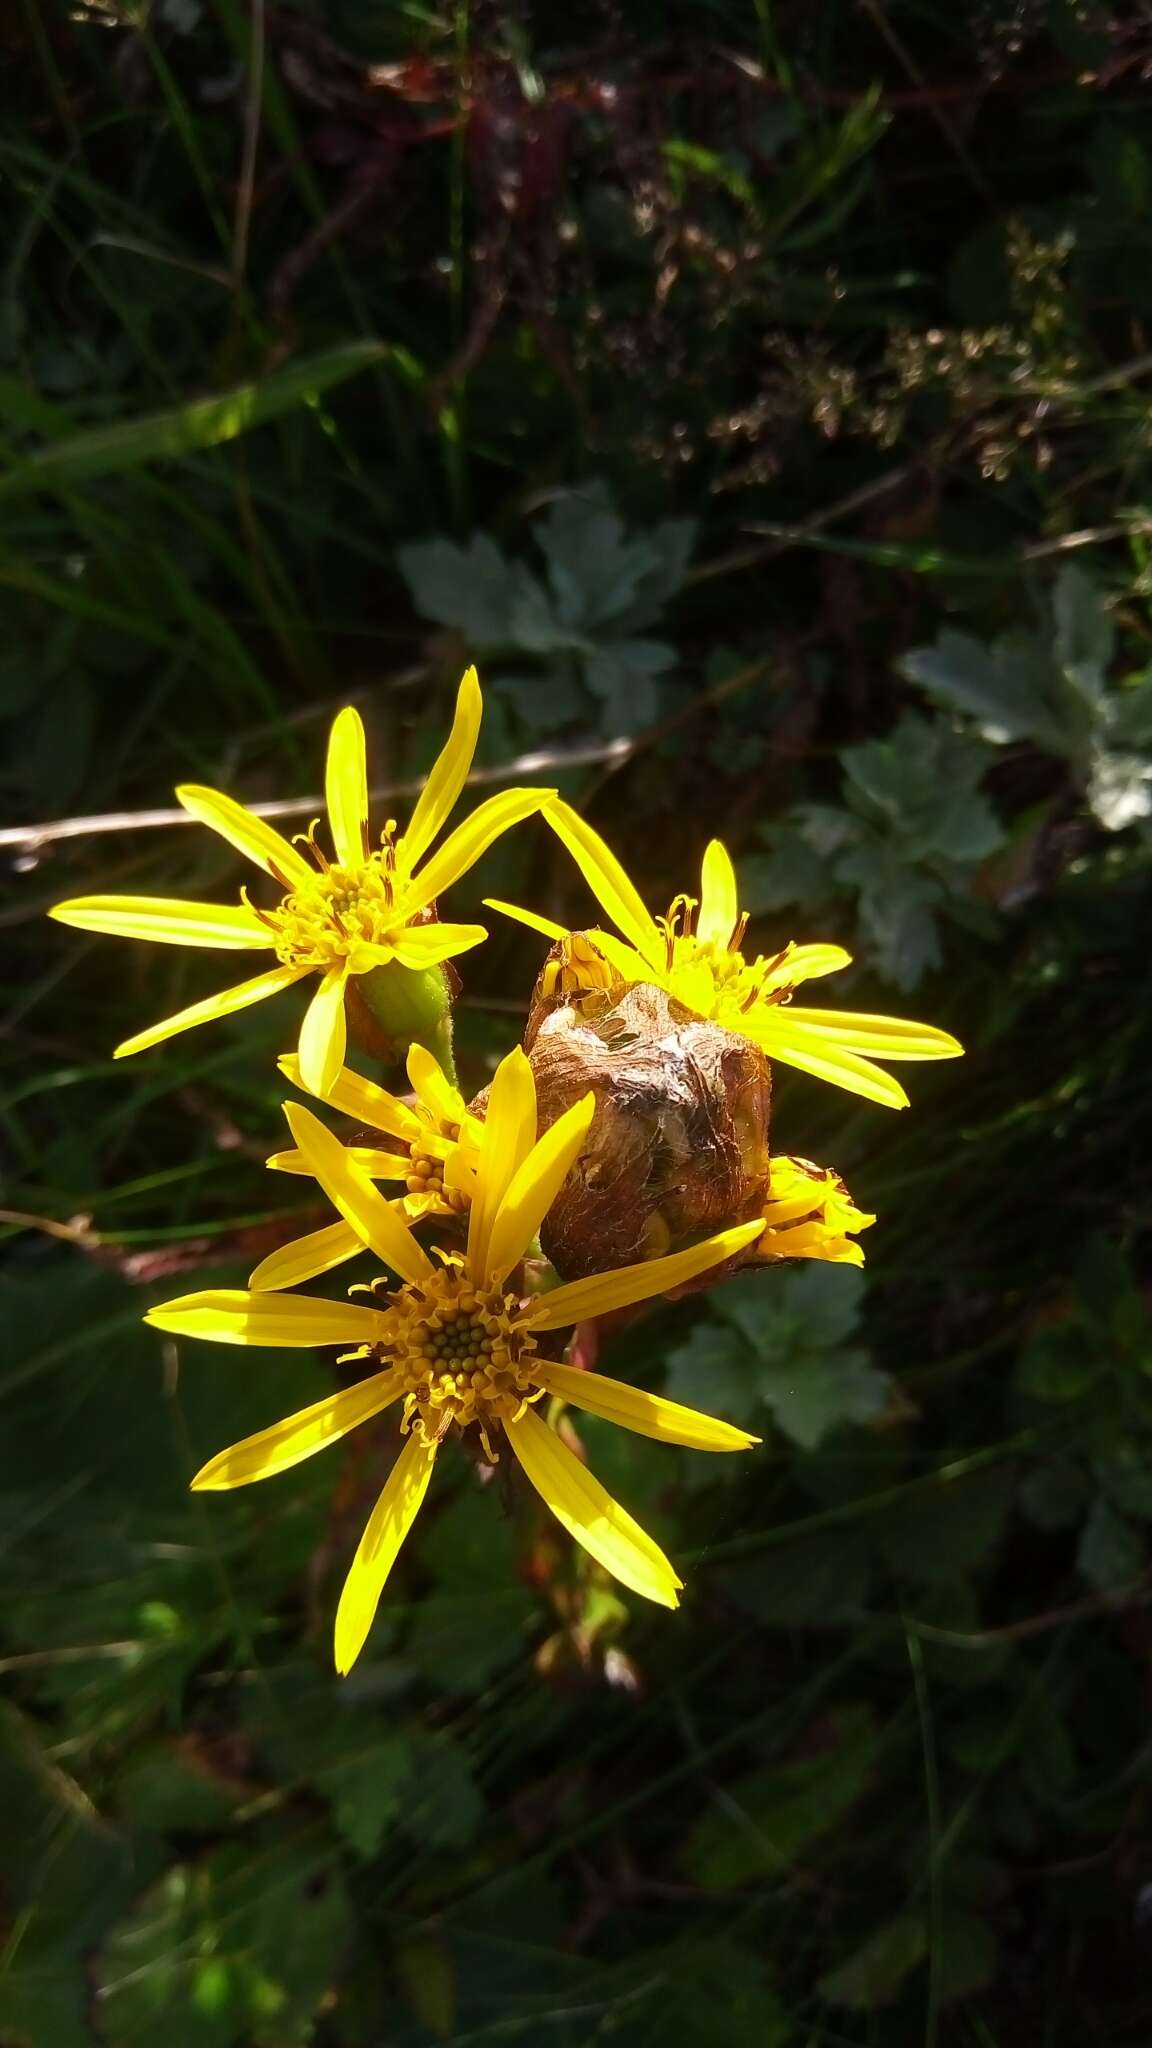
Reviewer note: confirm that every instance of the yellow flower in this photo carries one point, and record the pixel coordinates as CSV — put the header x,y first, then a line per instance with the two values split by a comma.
x,y
457,1348
337,918
697,959
437,1164
809,1214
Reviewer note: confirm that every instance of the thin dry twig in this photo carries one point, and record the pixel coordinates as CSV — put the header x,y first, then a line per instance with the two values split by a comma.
x,y
28,839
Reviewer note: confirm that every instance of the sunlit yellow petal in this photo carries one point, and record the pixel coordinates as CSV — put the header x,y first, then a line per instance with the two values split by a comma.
x,y
346,788
365,1100
604,1291
883,1038
627,962
426,945
305,1257
388,1525
429,1083
228,1315
535,1186
324,1034
447,776
804,963
646,1414
531,918
377,1165
719,903
464,846
606,878
166,920
590,1514
509,1135
221,1005
351,1191
298,1437
811,1241
252,836
795,1045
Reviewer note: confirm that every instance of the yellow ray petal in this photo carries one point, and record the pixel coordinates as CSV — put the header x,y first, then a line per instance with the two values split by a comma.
x,y
647,1414
464,846
229,1315
349,1190
304,1257
604,1291
811,1241
535,1186
590,1514
298,1437
377,1165
165,919
324,1034
430,1084
365,1100
606,878
719,903
546,925
388,1525
509,1135
796,1045
803,963
346,788
447,776
631,965
886,1038
221,1005
425,945
250,835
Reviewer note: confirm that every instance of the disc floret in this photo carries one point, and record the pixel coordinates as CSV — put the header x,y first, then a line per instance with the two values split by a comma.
x,y
462,1357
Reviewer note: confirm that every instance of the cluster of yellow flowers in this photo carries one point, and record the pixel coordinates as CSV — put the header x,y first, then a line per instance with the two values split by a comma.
x,y
459,1339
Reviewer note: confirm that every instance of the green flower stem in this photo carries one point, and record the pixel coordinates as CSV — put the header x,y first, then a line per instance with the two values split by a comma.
x,y
412,1007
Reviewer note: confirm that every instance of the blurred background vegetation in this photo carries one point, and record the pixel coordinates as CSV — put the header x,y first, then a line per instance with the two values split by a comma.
x,y
760,393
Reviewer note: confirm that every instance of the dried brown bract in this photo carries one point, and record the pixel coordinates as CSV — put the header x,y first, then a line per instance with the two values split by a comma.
x,y
678,1146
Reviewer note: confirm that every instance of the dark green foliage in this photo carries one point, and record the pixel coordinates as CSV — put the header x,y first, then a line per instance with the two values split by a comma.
x,y
761,396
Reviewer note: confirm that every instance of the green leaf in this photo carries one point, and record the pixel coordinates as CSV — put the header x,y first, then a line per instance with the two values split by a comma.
x,y
1111,1554
1124,1473
604,582
1085,637
873,1974
494,602
1130,712
1007,688
623,674
817,1396
791,872
167,1788
443,1805
199,423
811,1306
715,1370
368,1791
244,1945
475,1618
770,1817
939,1538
